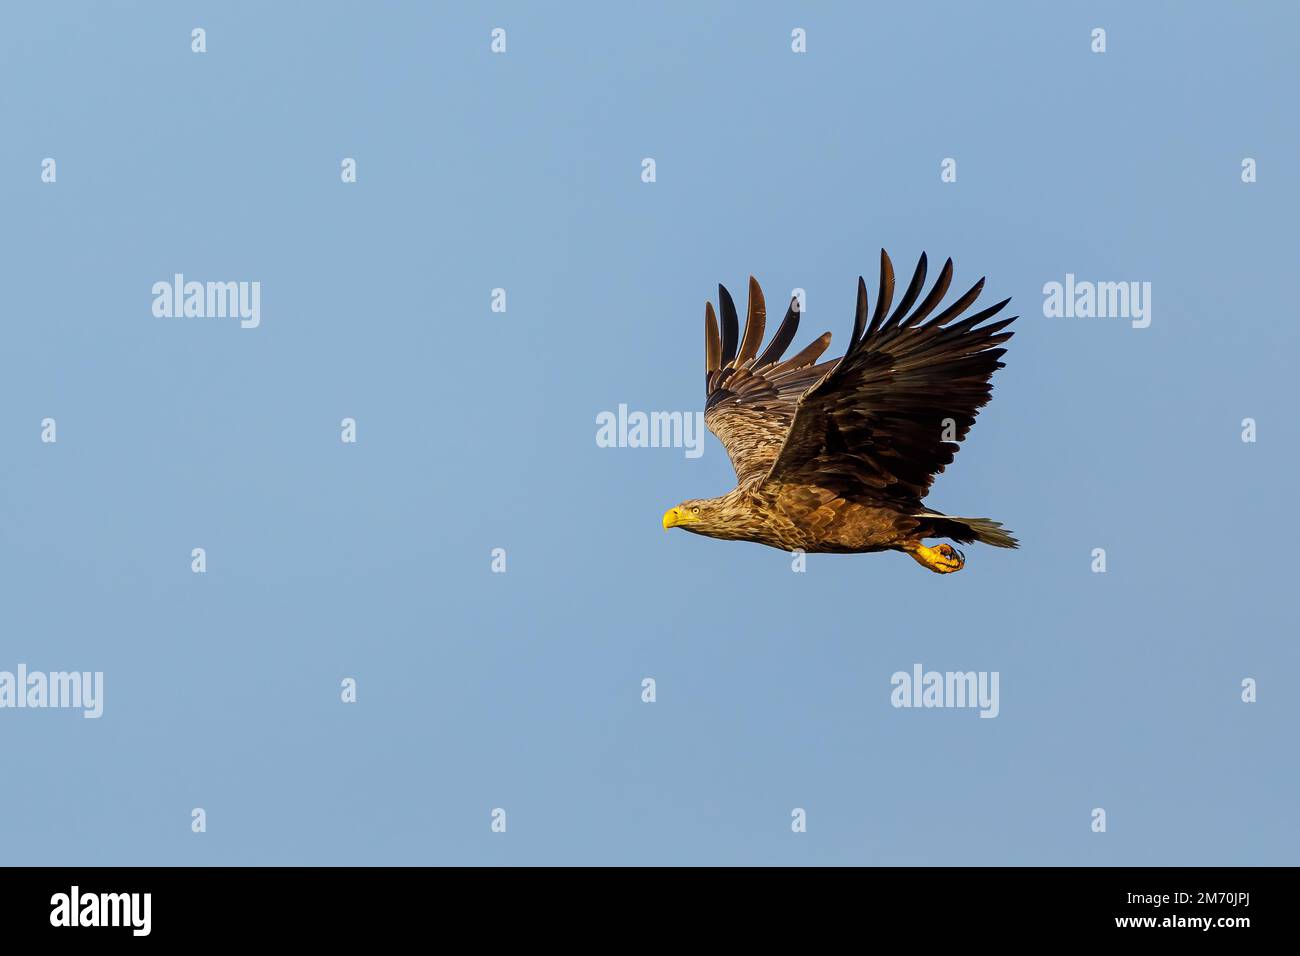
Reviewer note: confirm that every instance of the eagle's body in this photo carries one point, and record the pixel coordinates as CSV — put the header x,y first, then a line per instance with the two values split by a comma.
x,y
837,456
811,519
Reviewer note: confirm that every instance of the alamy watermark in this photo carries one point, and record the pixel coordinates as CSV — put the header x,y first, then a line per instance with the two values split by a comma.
x,y
922,688
624,429
75,908
82,690
1099,300
208,300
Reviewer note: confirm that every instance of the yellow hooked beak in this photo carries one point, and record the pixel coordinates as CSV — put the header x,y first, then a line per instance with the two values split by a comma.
x,y
676,516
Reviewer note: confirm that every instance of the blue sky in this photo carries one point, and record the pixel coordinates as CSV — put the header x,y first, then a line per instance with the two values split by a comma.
x,y
476,430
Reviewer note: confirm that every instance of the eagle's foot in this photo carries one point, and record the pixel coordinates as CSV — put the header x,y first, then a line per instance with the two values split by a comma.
x,y
941,559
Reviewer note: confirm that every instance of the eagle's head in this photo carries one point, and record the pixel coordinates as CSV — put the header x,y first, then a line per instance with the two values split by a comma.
x,y
732,516
692,515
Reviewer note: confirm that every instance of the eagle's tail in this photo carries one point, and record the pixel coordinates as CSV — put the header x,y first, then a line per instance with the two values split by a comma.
x,y
966,530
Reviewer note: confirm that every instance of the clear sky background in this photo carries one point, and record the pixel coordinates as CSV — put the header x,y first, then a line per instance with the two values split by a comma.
x,y
476,430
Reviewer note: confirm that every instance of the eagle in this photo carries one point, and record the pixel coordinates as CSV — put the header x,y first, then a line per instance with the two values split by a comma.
x,y
838,456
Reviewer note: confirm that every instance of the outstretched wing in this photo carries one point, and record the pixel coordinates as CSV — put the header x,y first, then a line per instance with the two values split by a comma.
x,y
885,419
750,399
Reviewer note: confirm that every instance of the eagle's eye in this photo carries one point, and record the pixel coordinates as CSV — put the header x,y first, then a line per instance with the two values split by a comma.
x,y
695,510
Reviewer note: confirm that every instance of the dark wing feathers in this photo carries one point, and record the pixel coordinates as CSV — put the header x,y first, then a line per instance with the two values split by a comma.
x,y
883,298
712,342
806,356
755,323
933,299
859,315
880,422
886,418
750,399
730,326
784,336
913,290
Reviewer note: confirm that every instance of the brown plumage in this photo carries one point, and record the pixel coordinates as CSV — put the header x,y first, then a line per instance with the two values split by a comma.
x,y
837,456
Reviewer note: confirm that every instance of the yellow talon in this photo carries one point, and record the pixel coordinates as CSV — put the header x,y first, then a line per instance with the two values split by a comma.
x,y
941,559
